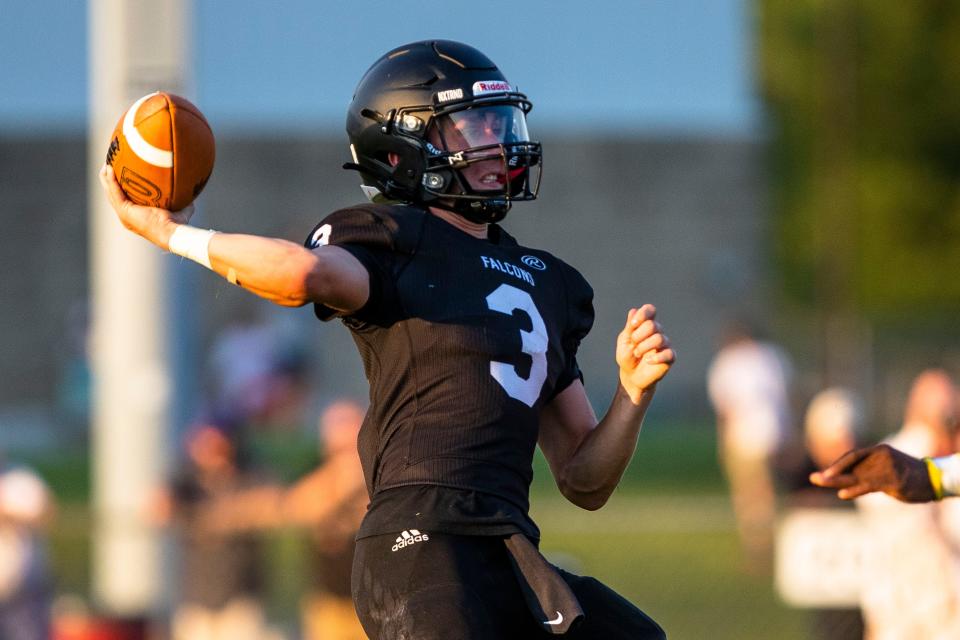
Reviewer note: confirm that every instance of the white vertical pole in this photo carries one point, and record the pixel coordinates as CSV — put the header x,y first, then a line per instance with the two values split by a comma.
x,y
136,46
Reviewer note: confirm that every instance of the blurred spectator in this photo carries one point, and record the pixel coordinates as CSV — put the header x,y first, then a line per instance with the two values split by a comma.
x,y
748,383
328,606
330,501
820,530
832,426
260,372
911,583
222,573
26,508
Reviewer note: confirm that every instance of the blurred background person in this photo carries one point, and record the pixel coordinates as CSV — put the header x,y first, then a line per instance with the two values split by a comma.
x,y
332,501
911,584
26,588
258,368
832,425
222,572
329,502
748,383
817,561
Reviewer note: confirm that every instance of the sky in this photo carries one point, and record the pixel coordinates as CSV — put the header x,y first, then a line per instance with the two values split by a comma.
x,y
678,66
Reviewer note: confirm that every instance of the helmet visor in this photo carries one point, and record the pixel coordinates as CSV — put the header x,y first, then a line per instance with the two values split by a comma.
x,y
488,147
483,126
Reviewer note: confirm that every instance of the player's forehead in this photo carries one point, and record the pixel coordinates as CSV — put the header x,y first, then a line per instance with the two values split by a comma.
x,y
485,116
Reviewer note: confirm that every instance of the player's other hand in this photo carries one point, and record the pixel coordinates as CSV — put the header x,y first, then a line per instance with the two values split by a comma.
x,y
643,352
152,223
877,468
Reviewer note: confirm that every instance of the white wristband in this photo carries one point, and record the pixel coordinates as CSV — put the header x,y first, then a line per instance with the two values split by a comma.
x,y
950,468
192,243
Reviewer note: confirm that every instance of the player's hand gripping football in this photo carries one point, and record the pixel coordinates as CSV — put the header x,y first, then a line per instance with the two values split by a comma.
x,y
643,352
156,225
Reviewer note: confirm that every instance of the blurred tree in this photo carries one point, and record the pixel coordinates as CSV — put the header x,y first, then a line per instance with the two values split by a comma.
x,y
864,105
864,100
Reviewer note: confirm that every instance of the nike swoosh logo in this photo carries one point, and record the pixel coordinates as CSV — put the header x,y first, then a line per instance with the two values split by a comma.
x,y
556,620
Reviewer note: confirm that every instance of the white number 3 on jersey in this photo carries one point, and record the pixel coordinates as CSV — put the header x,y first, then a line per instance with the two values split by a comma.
x,y
321,236
506,299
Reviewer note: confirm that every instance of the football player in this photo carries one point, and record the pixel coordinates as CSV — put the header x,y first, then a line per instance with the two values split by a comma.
x,y
899,475
469,341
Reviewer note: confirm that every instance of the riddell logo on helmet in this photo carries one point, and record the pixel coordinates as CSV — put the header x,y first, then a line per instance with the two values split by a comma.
x,y
490,86
408,538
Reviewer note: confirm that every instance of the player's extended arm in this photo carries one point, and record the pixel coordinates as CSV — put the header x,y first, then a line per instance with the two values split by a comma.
x,y
883,468
278,270
587,457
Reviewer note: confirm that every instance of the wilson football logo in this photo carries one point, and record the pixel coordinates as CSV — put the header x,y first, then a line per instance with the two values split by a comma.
x,y
135,185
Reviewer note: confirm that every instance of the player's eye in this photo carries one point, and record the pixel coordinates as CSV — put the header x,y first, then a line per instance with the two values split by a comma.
x,y
482,129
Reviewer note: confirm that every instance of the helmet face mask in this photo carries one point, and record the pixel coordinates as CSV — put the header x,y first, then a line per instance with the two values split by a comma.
x,y
436,123
481,159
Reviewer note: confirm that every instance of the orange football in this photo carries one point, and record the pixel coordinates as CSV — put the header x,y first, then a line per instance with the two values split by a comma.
x,y
162,151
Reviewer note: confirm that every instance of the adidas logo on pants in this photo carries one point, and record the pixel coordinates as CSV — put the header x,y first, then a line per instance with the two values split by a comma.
x,y
409,537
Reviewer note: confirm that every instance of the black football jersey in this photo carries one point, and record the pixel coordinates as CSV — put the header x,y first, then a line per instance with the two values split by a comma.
x,y
463,340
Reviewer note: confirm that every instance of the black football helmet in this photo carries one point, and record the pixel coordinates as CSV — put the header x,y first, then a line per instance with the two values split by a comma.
x,y
436,123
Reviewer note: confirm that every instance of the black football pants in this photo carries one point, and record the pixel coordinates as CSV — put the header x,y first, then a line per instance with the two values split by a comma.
x,y
455,587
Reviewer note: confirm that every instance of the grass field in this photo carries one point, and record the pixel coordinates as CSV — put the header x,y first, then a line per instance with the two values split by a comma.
x,y
675,557
666,541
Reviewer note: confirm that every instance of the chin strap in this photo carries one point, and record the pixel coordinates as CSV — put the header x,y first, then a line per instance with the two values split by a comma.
x,y
483,211
480,211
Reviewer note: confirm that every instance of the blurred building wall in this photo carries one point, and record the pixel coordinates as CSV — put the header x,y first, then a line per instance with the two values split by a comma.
x,y
43,280
676,222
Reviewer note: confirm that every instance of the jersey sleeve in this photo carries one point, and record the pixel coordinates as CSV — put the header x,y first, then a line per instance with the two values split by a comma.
x,y
580,316
382,238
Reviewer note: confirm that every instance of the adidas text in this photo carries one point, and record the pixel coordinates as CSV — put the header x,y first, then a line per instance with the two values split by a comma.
x,y
408,538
